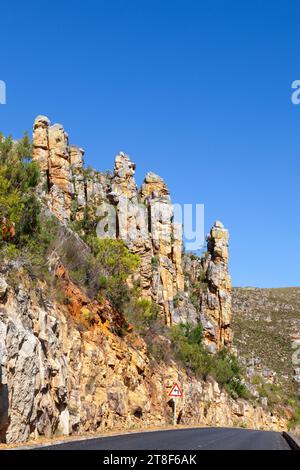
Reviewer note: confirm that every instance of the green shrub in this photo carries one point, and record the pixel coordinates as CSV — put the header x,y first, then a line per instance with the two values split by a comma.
x,y
18,178
104,274
21,209
273,392
79,276
223,366
142,313
157,351
187,344
86,226
294,422
114,255
88,315
154,263
228,373
112,265
176,301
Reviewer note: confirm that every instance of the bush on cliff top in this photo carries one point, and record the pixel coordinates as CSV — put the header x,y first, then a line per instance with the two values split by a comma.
x,y
19,207
223,366
25,234
112,264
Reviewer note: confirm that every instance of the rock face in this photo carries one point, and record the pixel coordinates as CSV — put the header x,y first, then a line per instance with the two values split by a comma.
x,y
63,367
207,282
142,219
215,304
51,150
64,371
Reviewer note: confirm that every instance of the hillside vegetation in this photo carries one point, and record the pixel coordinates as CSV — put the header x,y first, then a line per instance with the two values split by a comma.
x,y
265,322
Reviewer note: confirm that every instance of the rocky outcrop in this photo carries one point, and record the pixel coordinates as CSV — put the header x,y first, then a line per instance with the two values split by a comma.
x,y
63,370
166,238
71,364
215,303
145,224
208,285
41,150
80,188
51,151
142,219
132,218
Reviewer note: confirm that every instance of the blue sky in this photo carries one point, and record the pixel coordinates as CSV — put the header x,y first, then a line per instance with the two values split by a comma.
x,y
198,92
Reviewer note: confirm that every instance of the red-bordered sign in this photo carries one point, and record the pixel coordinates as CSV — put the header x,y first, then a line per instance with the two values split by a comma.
x,y
175,391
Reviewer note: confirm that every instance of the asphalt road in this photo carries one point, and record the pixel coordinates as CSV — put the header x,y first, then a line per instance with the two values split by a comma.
x,y
183,439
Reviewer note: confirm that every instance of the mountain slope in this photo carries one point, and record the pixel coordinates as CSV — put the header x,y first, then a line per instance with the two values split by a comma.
x,y
265,324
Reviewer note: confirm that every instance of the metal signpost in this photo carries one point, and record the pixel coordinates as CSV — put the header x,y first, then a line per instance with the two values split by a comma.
x,y
175,393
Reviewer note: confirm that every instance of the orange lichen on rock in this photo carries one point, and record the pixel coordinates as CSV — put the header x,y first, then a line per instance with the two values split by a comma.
x,y
85,310
7,228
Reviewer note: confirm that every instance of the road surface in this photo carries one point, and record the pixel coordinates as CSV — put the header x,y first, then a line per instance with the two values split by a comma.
x,y
183,439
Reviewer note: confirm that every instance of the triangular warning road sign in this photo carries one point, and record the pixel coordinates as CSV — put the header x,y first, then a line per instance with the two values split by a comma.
x,y
175,391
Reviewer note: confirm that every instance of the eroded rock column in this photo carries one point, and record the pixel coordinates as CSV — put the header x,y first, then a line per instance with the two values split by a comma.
x,y
51,151
76,162
40,150
166,239
62,188
132,218
216,300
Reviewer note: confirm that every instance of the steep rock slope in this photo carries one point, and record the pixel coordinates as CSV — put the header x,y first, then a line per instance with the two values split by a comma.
x,y
68,364
144,220
63,375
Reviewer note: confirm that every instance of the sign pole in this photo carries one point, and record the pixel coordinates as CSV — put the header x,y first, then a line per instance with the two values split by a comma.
x,y
174,417
175,393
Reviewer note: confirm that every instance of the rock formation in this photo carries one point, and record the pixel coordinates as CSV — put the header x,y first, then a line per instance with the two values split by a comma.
x,y
142,219
207,282
64,371
215,304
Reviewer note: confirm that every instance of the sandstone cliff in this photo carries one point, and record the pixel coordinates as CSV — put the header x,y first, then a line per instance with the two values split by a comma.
x,y
66,365
215,303
208,284
144,221
63,375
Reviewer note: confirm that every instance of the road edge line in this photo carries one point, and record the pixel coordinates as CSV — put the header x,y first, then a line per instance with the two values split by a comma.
x,y
292,440
100,436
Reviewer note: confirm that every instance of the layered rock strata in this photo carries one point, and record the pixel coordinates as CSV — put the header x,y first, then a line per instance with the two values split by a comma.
x,y
64,371
142,219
